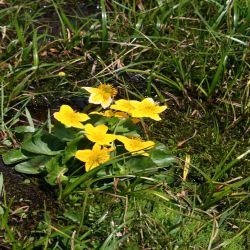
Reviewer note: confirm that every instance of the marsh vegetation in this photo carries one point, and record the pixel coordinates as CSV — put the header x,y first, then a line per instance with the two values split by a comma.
x,y
189,191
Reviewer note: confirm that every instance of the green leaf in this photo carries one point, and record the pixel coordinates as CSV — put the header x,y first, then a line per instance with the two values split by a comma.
x,y
167,176
33,166
111,121
1,210
15,155
127,127
161,156
25,129
56,171
46,144
137,164
161,147
70,149
73,216
63,133
84,178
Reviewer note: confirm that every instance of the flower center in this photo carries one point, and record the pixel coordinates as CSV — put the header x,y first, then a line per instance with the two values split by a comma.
x,y
149,107
98,158
73,117
108,89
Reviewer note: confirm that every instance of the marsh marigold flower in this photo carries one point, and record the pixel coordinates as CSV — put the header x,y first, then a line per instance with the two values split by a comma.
x,y
123,105
136,145
99,134
147,108
103,94
70,118
93,157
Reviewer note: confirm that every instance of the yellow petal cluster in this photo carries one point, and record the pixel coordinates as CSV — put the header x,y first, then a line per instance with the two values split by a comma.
x,y
70,118
99,134
145,108
136,145
93,157
103,94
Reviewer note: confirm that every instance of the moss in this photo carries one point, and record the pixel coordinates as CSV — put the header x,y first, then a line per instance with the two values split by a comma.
x,y
207,136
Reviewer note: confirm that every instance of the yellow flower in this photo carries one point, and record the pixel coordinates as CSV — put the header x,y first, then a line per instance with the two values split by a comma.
x,y
136,145
99,134
93,158
70,118
123,105
103,94
147,108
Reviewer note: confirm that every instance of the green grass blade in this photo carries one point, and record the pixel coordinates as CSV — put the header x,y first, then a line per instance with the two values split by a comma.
x,y
1,185
63,27
219,167
235,14
35,50
218,196
230,165
104,25
29,118
2,106
227,242
218,75
19,32
22,85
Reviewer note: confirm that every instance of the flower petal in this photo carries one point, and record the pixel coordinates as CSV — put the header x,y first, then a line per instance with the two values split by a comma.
x,y
136,145
99,134
69,117
91,90
83,155
103,94
106,102
82,117
147,108
123,105
93,158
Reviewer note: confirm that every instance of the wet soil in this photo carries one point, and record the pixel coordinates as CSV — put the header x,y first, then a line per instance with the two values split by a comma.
x,y
28,199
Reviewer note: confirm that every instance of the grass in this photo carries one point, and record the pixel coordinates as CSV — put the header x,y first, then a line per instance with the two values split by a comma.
x,y
192,55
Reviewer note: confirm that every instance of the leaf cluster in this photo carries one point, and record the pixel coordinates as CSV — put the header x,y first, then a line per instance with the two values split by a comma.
x,y
52,155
